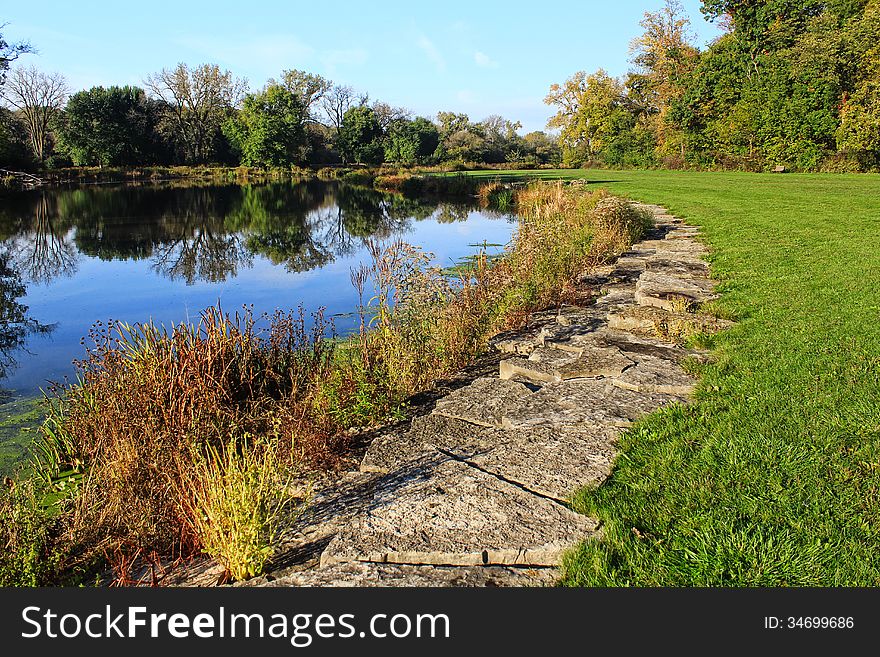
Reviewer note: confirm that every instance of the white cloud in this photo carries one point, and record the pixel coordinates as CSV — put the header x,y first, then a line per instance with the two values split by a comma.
x,y
484,61
333,59
431,52
272,52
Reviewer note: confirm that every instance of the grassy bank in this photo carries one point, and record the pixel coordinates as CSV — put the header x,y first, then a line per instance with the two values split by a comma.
x,y
180,440
773,476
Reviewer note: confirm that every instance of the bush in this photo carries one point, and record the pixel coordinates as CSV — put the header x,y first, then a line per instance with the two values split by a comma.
x,y
237,493
148,398
26,552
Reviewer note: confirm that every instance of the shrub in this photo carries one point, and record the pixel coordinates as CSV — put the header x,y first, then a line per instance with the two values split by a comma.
x,y
236,494
27,557
147,395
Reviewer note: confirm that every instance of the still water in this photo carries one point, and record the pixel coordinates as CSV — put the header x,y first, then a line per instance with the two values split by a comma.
x,y
71,257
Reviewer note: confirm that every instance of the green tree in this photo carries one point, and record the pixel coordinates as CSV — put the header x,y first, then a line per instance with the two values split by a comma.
x,y
360,136
197,102
412,142
269,130
109,126
590,110
858,134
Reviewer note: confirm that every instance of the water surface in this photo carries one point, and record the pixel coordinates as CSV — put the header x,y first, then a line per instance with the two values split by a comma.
x,y
163,252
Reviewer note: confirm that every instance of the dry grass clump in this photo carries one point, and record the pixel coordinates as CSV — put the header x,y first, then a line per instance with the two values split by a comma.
x,y
152,406
427,326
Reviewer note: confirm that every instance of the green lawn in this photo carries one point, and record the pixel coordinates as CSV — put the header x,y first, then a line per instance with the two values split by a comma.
x,y
773,476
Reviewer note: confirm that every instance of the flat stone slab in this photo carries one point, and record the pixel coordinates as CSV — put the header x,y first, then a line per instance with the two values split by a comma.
x,y
442,511
654,321
680,268
652,374
674,247
483,402
548,365
427,433
370,575
670,292
551,461
584,402
635,346
517,369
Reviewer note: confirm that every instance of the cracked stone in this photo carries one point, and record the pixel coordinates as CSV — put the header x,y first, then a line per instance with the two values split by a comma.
x,y
427,432
584,402
551,461
670,293
364,574
483,402
548,365
656,375
442,511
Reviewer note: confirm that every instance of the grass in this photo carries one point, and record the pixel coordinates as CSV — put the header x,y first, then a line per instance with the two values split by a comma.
x,y
772,477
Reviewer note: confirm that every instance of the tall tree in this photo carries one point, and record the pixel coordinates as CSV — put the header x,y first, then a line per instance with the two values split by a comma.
x,y
309,87
387,115
269,129
109,126
337,101
412,142
38,98
589,109
198,101
360,136
664,55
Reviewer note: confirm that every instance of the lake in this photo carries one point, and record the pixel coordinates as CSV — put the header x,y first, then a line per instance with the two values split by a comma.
x,y
165,251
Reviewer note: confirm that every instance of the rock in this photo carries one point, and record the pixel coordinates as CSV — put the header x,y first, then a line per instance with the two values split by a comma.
x,y
483,402
427,433
671,293
583,402
444,512
675,248
521,368
548,365
364,574
672,326
681,268
656,375
551,461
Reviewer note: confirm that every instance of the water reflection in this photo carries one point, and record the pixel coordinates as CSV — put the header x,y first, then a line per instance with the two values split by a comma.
x,y
15,324
187,234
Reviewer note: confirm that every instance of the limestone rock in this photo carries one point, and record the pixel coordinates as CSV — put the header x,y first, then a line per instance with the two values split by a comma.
x,y
442,511
483,402
551,461
363,574
671,293
656,375
582,402
426,433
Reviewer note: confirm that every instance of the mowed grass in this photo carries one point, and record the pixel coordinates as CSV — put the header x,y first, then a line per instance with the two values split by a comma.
x,y
772,476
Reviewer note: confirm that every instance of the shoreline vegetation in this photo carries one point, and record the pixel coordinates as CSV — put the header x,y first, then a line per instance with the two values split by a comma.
x,y
176,441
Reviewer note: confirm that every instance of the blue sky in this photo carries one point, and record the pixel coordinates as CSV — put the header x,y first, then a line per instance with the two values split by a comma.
x,y
478,57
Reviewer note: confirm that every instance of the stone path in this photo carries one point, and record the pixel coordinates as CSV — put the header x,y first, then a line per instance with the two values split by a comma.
x,y
474,493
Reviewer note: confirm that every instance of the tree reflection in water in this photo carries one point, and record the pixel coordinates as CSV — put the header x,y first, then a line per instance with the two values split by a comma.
x,y
189,233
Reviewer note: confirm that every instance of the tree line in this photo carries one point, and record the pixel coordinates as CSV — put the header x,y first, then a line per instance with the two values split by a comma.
x,y
203,114
791,83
